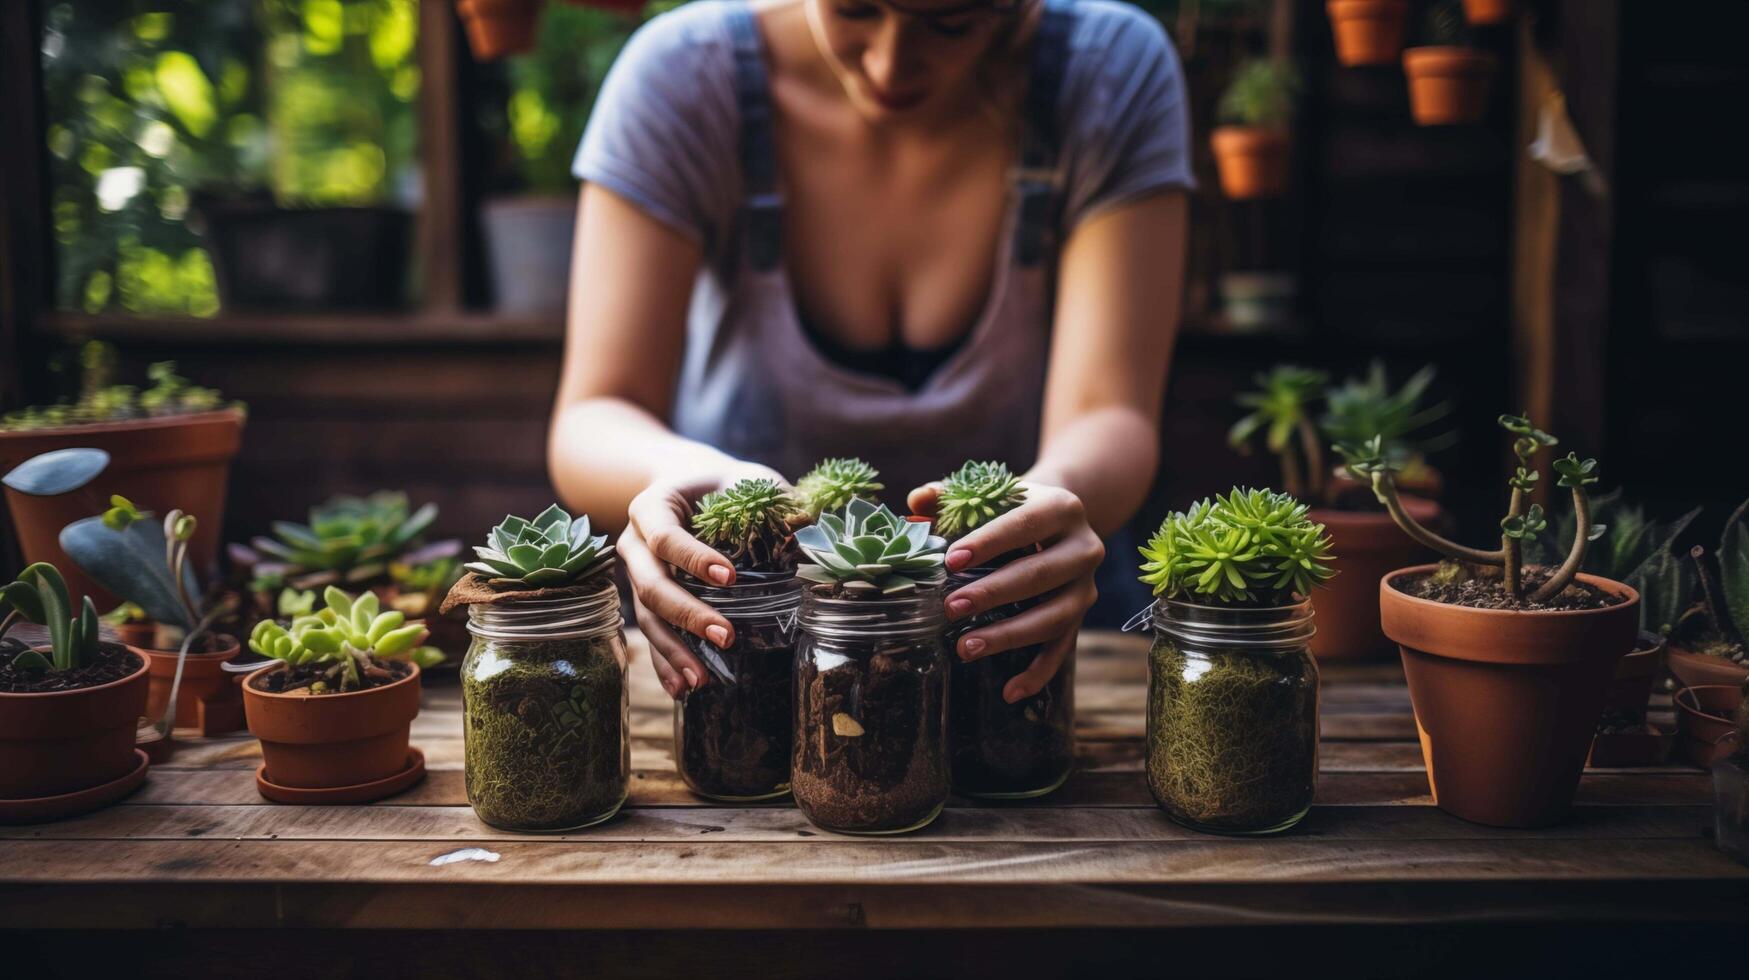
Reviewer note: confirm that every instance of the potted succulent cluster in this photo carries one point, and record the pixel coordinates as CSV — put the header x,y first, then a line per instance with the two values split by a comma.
x,y
544,699
1296,412
1507,663
1448,77
1232,721
1251,144
167,445
69,705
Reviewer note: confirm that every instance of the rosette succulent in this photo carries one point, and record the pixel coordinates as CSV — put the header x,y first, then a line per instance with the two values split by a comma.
x,y
973,494
348,540
544,553
1251,548
344,643
833,483
751,524
868,548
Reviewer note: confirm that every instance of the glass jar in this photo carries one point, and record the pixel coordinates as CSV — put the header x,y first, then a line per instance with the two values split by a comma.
x,y
871,752
1232,716
544,711
1002,750
732,736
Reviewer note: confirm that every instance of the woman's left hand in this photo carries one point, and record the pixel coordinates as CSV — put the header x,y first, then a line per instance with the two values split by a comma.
x,y
1063,553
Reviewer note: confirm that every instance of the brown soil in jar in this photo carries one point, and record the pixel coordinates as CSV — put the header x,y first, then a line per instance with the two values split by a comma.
x,y
735,733
112,663
1485,591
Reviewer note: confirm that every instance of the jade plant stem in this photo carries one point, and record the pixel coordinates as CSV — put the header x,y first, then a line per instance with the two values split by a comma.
x,y
1576,555
1511,547
1386,491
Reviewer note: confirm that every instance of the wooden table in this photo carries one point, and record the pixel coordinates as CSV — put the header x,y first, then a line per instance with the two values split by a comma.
x,y
198,848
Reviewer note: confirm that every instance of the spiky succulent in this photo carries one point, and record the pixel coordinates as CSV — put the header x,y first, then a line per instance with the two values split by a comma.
x,y
547,552
868,548
975,493
1251,547
349,540
750,523
833,483
348,633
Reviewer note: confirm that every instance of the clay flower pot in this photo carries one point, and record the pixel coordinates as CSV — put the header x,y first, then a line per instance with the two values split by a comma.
x,y
1704,728
1448,86
1485,13
1367,545
497,28
1697,669
1634,674
332,741
1252,161
210,698
65,741
1368,32
1506,702
179,461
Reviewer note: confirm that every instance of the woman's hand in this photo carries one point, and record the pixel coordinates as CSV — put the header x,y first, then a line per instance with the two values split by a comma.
x,y
655,538
1064,552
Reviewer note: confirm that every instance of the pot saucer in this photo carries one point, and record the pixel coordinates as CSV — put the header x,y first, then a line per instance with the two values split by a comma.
x,y
42,809
335,795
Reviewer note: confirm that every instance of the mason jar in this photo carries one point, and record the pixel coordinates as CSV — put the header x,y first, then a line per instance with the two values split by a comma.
x,y
544,711
732,736
1232,742
871,682
1002,750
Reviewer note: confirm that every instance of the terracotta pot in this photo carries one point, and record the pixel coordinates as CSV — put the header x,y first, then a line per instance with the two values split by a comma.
x,y
210,698
1704,728
1697,669
1631,687
497,28
1252,161
181,461
1506,702
1367,545
66,741
1483,13
1448,86
324,741
1368,32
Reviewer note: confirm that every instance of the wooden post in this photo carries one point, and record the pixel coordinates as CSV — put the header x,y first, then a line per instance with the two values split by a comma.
x,y
441,216
26,260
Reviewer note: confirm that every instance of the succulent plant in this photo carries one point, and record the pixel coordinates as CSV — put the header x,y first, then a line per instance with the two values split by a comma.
x,y
169,394
833,483
351,540
142,561
1261,93
1724,580
40,596
1251,547
751,524
349,634
868,548
1281,408
1365,406
547,552
1633,550
975,493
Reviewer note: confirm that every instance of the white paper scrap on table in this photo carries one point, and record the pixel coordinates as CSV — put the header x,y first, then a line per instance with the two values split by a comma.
x,y
465,854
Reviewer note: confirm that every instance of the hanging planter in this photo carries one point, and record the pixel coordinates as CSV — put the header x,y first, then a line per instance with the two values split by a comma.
x,y
497,28
1368,32
1448,85
1251,148
1486,13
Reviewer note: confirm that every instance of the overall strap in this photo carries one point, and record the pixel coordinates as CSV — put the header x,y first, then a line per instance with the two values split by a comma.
x,y
762,206
1035,179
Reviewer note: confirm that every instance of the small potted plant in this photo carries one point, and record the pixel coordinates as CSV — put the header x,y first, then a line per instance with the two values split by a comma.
x,y
497,28
1448,78
1708,646
68,707
1251,144
1001,750
1232,745
543,685
169,445
871,743
733,735
1368,32
1296,413
334,713
1507,664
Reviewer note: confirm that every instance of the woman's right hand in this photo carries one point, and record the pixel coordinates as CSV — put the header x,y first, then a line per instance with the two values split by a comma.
x,y
656,537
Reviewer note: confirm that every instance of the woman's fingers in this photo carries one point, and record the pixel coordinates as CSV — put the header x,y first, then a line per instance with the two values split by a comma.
x,y
660,594
1049,513
656,515
675,665
1074,557
1048,621
1039,673
922,500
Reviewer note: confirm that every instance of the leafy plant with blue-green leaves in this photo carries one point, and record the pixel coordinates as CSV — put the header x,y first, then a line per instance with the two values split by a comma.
x,y
1250,548
1634,550
866,548
343,645
552,550
40,596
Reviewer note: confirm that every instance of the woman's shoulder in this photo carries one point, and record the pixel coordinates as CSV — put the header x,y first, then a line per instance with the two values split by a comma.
x,y
1114,40
693,41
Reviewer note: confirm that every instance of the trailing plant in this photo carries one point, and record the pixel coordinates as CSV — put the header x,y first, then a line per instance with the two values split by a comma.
x,y
834,483
867,548
549,551
973,494
39,595
1633,550
1262,93
1724,580
348,540
1523,520
168,394
751,524
1249,548
345,644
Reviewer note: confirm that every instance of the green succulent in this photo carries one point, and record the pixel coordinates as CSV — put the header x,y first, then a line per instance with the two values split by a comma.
x,y
975,493
1631,549
347,633
750,523
1365,406
40,596
169,394
547,552
1261,93
1281,409
1251,547
348,540
868,548
834,483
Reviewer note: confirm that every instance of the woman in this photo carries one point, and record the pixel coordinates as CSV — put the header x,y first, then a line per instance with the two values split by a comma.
x,y
914,231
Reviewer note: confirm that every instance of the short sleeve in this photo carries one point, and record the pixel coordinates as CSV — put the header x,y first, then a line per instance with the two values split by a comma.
x,y
1124,112
662,135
